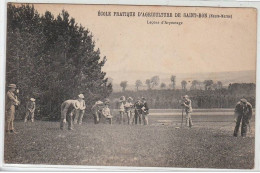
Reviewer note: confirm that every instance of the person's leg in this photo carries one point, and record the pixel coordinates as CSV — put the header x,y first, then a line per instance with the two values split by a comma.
x,y
70,121
81,114
63,116
7,121
26,116
244,126
187,119
128,117
121,116
190,120
131,118
145,119
136,117
12,119
77,112
140,118
32,115
237,125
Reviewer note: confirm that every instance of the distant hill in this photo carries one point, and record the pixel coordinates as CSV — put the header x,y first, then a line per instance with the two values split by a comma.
x,y
224,77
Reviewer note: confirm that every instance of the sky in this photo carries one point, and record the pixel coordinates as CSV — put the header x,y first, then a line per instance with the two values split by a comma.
x,y
197,46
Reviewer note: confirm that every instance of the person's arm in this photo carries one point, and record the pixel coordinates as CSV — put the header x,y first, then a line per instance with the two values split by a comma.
x,y
84,105
75,105
250,111
236,112
13,98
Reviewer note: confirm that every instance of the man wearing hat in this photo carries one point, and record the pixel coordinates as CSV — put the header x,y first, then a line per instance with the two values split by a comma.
x,y
106,112
128,109
121,109
188,109
11,102
67,109
97,111
30,108
243,111
145,111
138,110
81,111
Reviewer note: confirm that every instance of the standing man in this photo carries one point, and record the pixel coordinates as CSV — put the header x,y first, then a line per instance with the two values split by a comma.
x,y
243,111
145,111
138,110
128,109
106,112
188,110
121,109
30,108
67,109
11,101
81,111
97,111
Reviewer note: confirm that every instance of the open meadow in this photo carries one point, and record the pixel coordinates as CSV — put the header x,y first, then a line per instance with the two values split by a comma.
x,y
163,143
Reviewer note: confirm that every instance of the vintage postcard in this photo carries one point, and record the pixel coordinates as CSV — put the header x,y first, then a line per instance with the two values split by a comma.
x,y
133,86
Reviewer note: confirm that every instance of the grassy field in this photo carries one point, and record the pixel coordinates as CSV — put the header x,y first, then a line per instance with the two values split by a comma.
x,y
209,144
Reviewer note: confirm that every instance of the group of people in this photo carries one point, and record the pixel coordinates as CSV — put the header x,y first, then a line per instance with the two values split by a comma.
x,y
136,113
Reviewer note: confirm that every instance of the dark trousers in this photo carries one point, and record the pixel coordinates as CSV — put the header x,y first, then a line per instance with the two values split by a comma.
x,y
138,116
244,120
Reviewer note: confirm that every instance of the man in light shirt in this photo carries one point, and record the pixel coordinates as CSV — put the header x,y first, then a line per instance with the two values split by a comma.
x,y
106,112
129,110
67,109
81,111
30,108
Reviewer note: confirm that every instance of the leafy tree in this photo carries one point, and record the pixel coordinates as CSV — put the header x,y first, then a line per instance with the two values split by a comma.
x,y
148,83
163,85
52,59
183,85
173,81
220,85
155,81
123,84
138,83
194,84
208,84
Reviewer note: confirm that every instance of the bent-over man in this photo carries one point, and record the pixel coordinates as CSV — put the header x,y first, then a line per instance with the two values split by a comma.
x,y
97,111
67,109
243,111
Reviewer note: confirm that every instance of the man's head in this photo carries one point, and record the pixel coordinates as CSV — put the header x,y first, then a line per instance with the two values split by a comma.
x,y
129,99
243,101
186,97
32,99
12,87
138,99
143,100
80,97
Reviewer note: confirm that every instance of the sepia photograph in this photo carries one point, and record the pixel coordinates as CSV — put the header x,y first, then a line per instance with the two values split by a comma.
x,y
130,86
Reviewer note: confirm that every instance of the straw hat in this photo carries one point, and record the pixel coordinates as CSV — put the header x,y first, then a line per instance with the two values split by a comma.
x,y
81,96
99,102
32,99
11,86
243,100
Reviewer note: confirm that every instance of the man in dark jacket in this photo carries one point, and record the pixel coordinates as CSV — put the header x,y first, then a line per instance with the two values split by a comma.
x,y
243,111
138,110
145,111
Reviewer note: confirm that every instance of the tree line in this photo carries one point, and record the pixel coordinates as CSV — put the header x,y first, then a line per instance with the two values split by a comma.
x,y
209,98
154,82
52,59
